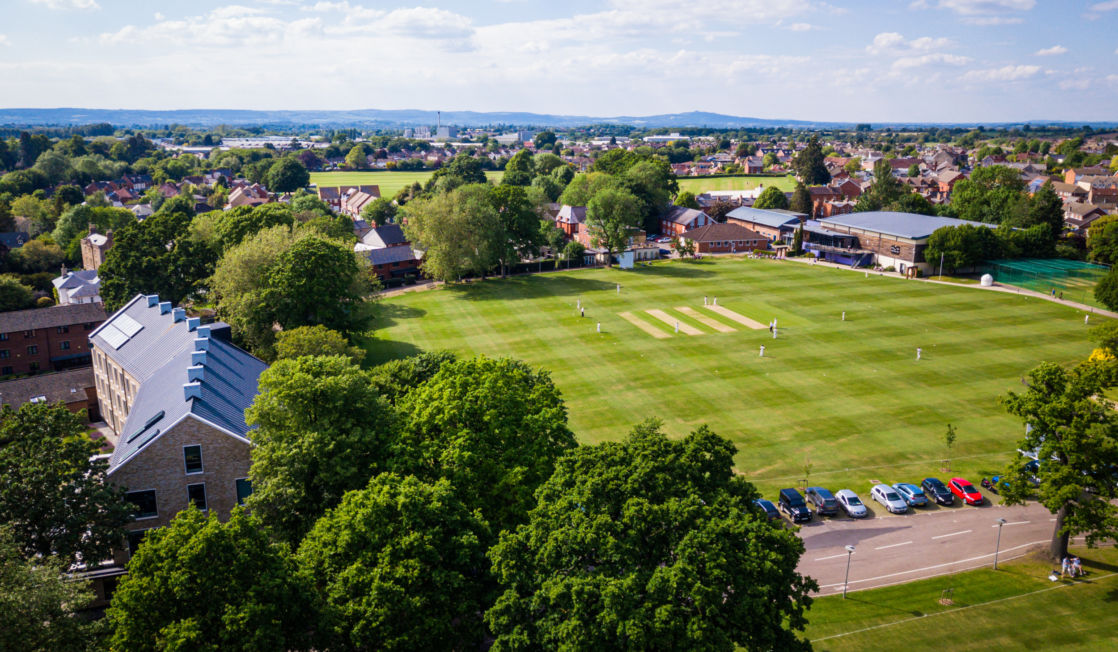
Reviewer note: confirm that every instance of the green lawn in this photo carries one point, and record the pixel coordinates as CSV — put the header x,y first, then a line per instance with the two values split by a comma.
x,y
848,397
1013,608
699,185
390,182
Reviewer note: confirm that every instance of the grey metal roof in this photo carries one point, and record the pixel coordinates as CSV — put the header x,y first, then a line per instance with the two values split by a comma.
x,y
770,218
390,255
903,225
160,356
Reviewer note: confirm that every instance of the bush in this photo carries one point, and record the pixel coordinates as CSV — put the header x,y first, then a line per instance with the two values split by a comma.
x,y
764,252
1107,290
44,302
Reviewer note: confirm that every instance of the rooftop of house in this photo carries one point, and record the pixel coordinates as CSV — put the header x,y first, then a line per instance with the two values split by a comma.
x,y
571,214
682,215
182,368
64,386
774,218
721,233
76,279
389,255
388,235
902,225
52,317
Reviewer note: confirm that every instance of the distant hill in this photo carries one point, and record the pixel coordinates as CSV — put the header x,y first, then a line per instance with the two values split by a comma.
x,y
375,118
378,118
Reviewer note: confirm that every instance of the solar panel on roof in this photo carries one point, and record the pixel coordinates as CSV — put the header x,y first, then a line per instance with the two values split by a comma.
x,y
113,336
127,325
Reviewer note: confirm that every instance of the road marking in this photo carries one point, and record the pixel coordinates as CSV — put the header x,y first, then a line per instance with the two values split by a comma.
x,y
943,536
831,557
1015,523
892,545
1004,551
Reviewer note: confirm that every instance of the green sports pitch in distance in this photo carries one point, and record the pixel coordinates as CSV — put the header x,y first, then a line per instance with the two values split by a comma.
x,y
699,185
849,397
390,182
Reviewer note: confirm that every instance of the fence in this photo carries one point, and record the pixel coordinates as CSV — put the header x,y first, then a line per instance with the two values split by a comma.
x,y
1074,280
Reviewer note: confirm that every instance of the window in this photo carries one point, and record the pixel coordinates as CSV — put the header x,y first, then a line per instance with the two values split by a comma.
x,y
244,490
33,349
144,502
28,334
192,457
196,494
5,354
63,329
34,366
135,537
65,346
6,371
3,337
88,326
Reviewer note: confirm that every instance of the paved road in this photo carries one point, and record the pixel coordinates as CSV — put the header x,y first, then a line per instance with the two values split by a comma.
x,y
890,549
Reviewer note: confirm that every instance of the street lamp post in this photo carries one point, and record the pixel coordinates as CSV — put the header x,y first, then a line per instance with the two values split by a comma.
x,y
846,580
998,545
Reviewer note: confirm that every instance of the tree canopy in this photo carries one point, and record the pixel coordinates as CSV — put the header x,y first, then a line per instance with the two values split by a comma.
x,y
458,231
200,584
611,218
649,543
771,197
54,499
809,165
399,565
322,430
287,175
315,340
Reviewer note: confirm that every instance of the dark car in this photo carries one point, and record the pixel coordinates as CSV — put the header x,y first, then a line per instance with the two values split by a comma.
x,y
768,508
792,504
824,502
937,491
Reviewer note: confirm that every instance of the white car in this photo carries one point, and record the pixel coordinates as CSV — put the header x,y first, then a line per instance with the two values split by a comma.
x,y
889,498
851,504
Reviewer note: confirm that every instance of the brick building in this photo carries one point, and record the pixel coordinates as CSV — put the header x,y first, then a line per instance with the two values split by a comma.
x,y
773,224
175,393
571,219
725,238
47,339
94,247
74,388
678,219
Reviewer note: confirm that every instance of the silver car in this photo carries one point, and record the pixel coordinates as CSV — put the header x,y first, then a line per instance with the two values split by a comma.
x,y
851,504
889,498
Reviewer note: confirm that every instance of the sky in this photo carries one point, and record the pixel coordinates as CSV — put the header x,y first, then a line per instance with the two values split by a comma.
x,y
856,61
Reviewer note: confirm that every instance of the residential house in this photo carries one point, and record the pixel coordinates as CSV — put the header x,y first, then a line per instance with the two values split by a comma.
x,y
1073,175
248,195
175,392
1069,192
78,286
677,220
74,388
389,252
570,219
44,339
354,203
724,238
1078,216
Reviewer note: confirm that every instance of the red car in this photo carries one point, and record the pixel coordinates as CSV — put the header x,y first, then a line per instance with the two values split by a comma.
x,y
965,491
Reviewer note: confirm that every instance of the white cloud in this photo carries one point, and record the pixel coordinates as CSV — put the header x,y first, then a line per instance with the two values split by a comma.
x,y
1052,51
1110,5
4,40
980,12
892,42
905,63
1077,84
801,27
1005,73
68,4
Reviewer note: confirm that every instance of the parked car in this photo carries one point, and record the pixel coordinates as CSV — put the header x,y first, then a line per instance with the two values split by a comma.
x,y
889,498
965,491
851,504
792,504
911,494
823,500
768,508
1032,467
938,491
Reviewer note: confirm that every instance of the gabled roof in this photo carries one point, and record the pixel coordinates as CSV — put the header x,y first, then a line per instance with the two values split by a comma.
x,y
54,316
182,371
388,255
65,386
681,215
76,279
571,215
388,235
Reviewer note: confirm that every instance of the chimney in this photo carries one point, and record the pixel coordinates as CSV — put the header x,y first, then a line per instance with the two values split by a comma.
x,y
198,358
153,300
179,314
164,307
192,390
203,331
192,323
201,344
92,228
196,373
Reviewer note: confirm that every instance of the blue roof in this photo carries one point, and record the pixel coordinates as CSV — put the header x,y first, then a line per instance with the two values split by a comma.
x,y
160,355
771,218
903,225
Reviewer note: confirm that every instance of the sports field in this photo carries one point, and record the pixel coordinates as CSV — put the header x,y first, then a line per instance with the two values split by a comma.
x,y
699,185
848,397
1013,608
390,182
